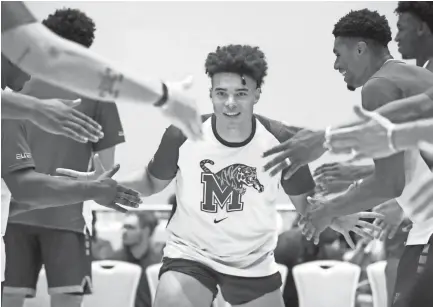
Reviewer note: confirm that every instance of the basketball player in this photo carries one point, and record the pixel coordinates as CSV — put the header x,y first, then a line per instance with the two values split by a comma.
x,y
42,54
415,32
57,237
361,39
224,229
415,41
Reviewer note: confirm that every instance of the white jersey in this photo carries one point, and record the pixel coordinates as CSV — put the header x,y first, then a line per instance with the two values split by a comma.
x,y
421,216
5,201
226,215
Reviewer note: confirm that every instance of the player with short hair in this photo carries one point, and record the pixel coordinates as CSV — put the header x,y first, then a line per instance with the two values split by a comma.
x,y
58,238
224,229
415,32
361,39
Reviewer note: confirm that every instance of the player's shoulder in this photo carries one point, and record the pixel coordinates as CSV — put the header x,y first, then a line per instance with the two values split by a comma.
x,y
377,85
280,130
378,91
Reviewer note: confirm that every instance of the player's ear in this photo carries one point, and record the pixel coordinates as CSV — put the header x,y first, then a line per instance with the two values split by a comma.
x,y
257,94
361,47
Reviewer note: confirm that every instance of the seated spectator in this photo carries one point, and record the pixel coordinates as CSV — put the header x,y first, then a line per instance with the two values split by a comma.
x,y
138,248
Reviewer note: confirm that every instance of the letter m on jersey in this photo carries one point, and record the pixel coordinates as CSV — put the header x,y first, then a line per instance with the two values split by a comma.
x,y
216,195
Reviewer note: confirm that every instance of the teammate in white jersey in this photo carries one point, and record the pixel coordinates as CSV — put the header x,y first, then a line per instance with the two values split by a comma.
x,y
224,230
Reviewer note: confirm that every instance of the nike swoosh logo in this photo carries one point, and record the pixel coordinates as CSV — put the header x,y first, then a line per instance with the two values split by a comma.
x,y
217,221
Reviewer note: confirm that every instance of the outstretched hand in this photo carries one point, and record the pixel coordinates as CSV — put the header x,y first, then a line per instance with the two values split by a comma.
x,y
58,116
304,147
182,110
112,194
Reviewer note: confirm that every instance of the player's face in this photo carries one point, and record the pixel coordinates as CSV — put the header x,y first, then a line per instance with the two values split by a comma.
x,y
351,61
407,36
133,234
232,100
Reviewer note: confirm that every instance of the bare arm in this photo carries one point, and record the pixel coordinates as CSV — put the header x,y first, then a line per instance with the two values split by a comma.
x,y
43,54
388,179
143,182
387,182
17,106
107,157
410,134
37,191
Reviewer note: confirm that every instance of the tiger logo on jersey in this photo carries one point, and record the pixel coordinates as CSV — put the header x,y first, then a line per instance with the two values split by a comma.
x,y
226,187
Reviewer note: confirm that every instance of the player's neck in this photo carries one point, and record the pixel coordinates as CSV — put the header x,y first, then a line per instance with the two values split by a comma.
x,y
139,250
234,132
425,53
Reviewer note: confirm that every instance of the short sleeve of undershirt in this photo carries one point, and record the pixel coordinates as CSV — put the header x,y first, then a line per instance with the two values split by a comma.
x,y
302,181
164,165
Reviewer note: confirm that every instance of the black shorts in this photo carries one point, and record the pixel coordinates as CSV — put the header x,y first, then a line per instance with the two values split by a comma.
x,y
235,290
413,274
65,255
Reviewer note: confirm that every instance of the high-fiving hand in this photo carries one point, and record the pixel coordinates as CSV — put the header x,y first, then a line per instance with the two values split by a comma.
x,y
58,116
182,110
304,147
110,193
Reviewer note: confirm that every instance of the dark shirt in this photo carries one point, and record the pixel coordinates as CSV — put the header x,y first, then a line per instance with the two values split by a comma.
x,y
152,256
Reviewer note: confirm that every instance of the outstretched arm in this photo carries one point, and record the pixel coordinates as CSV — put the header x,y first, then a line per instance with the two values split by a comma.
x,y
308,145
53,115
388,179
43,54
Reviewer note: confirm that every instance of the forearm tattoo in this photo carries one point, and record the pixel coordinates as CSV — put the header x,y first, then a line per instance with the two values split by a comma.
x,y
109,82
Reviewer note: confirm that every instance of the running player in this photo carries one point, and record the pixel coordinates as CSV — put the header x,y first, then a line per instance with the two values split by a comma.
x,y
224,229
57,237
42,54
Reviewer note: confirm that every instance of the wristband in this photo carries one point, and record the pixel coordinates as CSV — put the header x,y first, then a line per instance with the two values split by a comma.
x,y
164,98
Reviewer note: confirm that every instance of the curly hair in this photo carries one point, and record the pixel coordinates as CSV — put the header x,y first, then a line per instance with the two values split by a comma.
x,y
240,59
365,24
421,9
72,24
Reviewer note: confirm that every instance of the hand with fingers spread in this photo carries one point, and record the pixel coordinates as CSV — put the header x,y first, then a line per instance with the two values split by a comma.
x,y
353,222
58,116
182,110
318,218
370,139
393,217
112,194
337,177
304,147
